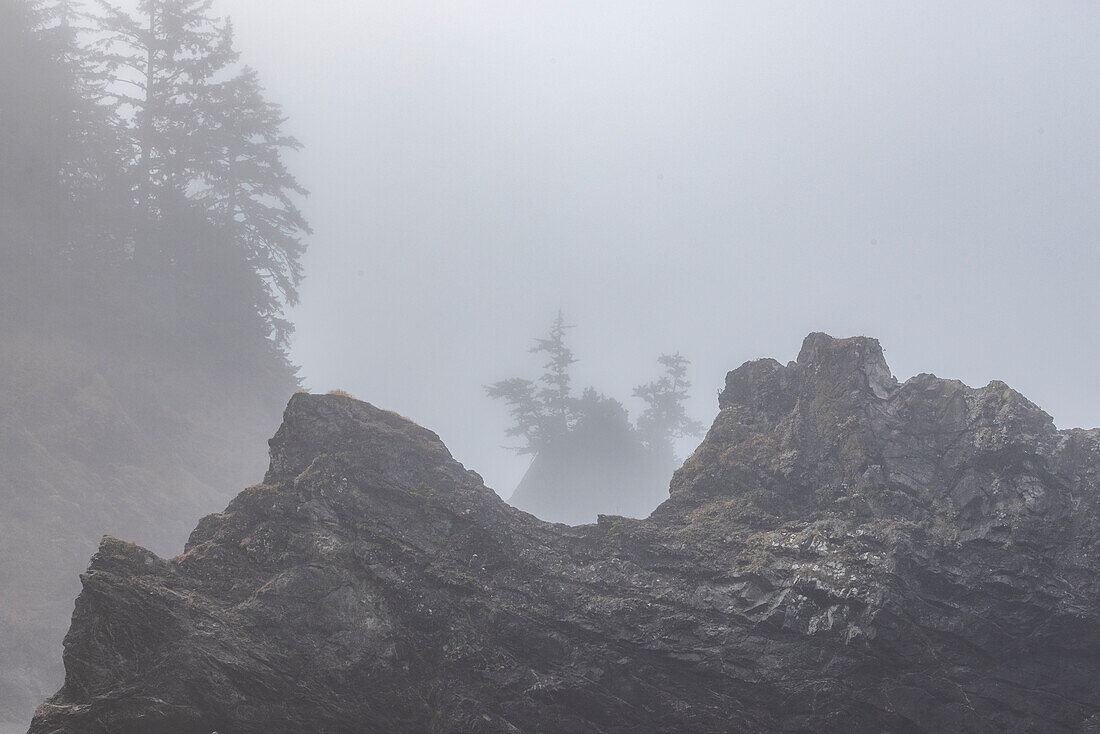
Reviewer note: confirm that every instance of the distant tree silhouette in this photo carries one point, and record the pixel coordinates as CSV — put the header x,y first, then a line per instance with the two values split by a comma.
x,y
247,189
588,457
164,61
200,136
556,395
665,417
541,414
142,188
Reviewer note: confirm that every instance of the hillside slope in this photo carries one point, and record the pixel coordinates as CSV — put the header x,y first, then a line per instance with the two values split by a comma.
x,y
97,440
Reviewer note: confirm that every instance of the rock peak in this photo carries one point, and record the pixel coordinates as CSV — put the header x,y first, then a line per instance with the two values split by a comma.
x,y
825,365
817,342
862,355
315,425
835,429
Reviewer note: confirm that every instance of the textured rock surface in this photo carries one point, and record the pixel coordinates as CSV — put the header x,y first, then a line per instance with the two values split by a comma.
x,y
842,553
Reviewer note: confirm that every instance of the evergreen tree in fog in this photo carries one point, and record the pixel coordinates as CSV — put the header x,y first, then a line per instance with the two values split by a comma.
x,y
202,136
541,414
247,189
204,142
149,243
164,62
588,457
665,418
143,172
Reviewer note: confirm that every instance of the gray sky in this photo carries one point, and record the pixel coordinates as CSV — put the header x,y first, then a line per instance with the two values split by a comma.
x,y
714,178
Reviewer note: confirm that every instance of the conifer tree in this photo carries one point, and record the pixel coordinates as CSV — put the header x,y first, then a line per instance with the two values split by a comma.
x,y
164,61
247,188
541,414
528,413
556,395
92,142
204,138
90,168
665,417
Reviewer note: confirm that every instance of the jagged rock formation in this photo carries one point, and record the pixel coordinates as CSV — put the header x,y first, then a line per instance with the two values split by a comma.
x,y
841,554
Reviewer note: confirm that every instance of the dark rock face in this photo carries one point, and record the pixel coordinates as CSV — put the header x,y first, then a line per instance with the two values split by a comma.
x,y
841,554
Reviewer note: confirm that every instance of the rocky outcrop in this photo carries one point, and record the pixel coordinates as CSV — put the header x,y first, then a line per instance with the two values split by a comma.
x,y
841,554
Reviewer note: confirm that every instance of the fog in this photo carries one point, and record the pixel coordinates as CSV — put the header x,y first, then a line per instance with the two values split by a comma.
x,y
714,178
710,179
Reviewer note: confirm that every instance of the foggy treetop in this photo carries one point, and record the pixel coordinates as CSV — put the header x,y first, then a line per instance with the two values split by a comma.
x,y
150,179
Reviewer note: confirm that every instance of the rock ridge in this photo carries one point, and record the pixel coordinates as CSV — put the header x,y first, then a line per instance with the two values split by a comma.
x,y
842,553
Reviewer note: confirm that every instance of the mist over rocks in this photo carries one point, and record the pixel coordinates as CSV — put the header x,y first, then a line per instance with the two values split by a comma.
x,y
841,553
101,437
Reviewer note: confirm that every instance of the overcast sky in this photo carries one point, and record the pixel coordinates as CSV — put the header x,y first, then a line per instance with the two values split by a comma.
x,y
715,178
